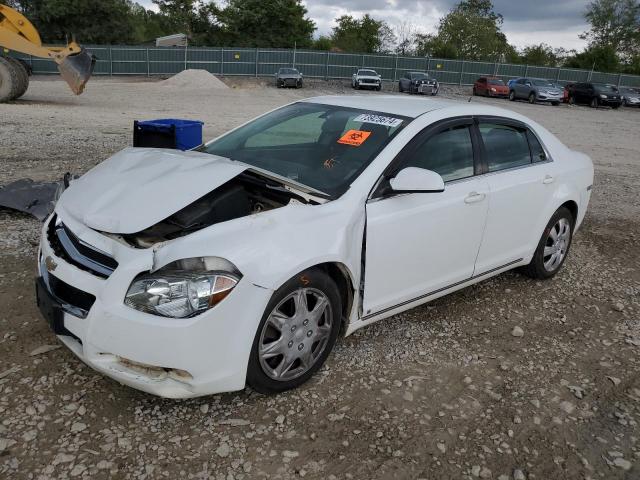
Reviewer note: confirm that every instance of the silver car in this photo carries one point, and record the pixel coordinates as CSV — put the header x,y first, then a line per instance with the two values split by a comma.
x,y
535,90
630,96
288,77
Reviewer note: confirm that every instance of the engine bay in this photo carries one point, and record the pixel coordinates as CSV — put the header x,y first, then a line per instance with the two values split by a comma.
x,y
244,195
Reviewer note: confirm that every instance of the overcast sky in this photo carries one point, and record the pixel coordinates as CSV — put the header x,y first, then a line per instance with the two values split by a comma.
x,y
526,22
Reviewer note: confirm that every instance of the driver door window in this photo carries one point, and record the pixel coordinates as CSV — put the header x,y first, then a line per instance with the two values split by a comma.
x,y
449,153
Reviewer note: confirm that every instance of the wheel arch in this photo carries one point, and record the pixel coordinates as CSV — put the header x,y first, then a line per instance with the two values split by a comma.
x,y
340,274
572,206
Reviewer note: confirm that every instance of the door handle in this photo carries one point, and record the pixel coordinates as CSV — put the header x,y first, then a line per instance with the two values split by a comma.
x,y
547,179
474,197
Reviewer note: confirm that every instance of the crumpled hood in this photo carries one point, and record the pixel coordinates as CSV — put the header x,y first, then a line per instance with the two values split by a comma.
x,y
138,187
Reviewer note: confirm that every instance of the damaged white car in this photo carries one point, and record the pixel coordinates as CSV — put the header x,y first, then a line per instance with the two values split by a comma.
x,y
191,273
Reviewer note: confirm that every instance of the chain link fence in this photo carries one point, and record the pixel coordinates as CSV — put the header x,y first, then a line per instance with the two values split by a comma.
x,y
260,62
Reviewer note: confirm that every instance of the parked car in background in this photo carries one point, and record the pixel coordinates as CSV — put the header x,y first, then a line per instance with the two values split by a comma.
x,y
418,82
595,95
535,90
288,77
559,86
630,96
490,87
365,78
314,220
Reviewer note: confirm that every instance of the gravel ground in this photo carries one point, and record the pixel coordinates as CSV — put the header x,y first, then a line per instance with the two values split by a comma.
x,y
508,379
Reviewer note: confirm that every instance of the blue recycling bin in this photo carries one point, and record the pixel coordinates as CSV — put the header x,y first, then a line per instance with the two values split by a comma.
x,y
168,133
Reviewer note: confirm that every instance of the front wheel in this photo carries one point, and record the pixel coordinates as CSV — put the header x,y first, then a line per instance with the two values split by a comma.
x,y
296,334
594,102
378,88
512,96
532,98
555,104
572,100
553,247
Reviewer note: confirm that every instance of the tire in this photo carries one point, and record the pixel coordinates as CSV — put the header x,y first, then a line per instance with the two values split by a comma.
x,y
532,98
400,89
512,95
9,80
378,88
23,77
265,368
572,100
540,269
555,104
475,92
615,107
357,87
594,102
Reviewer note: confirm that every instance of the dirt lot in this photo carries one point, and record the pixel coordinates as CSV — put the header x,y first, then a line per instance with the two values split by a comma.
x,y
444,391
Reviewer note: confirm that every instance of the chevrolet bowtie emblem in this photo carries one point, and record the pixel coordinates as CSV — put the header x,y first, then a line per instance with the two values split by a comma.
x,y
50,264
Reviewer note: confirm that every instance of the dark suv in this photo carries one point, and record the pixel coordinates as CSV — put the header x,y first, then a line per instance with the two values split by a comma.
x,y
595,94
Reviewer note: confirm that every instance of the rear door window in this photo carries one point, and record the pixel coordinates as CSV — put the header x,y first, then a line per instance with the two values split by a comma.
x,y
506,146
537,152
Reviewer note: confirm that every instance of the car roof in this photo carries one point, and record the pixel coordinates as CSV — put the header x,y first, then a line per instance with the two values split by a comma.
x,y
407,106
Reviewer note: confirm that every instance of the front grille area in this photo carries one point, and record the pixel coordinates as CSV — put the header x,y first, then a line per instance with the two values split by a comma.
x,y
70,248
71,296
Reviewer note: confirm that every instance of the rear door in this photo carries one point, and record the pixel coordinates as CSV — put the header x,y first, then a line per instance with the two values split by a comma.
x,y
519,88
420,243
520,178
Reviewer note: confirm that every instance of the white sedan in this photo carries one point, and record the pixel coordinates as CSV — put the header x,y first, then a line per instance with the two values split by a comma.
x,y
191,273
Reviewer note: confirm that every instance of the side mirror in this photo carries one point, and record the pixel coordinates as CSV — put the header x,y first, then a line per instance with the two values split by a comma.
x,y
414,180
528,84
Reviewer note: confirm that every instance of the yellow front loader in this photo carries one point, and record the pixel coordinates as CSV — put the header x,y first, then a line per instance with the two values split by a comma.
x,y
18,34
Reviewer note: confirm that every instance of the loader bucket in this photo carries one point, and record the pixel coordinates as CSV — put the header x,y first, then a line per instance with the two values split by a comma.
x,y
77,69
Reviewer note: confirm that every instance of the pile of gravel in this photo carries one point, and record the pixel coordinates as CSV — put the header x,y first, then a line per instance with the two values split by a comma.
x,y
193,78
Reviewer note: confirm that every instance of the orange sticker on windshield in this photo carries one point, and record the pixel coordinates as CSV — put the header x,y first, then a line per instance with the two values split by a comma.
x,y
354,138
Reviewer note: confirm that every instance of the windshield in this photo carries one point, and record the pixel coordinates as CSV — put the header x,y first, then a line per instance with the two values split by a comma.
x,y
324,147
605,88
416,76
541,83
370,73
288,71
495,81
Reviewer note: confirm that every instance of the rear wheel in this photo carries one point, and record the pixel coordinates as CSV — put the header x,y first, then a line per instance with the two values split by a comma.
x,y
512,95
553,247
9,80
594,102
296,334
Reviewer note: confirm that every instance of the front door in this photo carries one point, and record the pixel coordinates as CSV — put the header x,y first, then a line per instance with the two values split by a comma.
x,y
419,243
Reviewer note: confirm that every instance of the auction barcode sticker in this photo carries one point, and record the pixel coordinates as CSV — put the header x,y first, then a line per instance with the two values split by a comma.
x,y
378,120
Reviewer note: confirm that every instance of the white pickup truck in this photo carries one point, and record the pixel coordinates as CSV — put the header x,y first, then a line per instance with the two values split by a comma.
x,y
365,78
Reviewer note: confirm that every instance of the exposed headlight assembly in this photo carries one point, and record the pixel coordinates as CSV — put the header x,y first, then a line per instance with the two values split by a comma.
x,y
184,288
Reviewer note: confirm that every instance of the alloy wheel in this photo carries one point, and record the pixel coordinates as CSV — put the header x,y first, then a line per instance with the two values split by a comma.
x,y
295,334
556,245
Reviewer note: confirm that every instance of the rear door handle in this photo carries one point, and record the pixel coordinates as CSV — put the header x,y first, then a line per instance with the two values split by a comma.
x,y
547,179
474,197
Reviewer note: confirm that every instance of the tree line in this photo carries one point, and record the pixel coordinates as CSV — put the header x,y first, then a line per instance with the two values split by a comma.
x,y
471,30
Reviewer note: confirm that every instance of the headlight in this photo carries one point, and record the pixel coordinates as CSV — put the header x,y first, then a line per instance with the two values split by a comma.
x,y
184,288
603,96
493,89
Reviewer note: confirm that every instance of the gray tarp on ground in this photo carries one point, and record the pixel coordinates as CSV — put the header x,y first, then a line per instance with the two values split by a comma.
x,y
34,198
